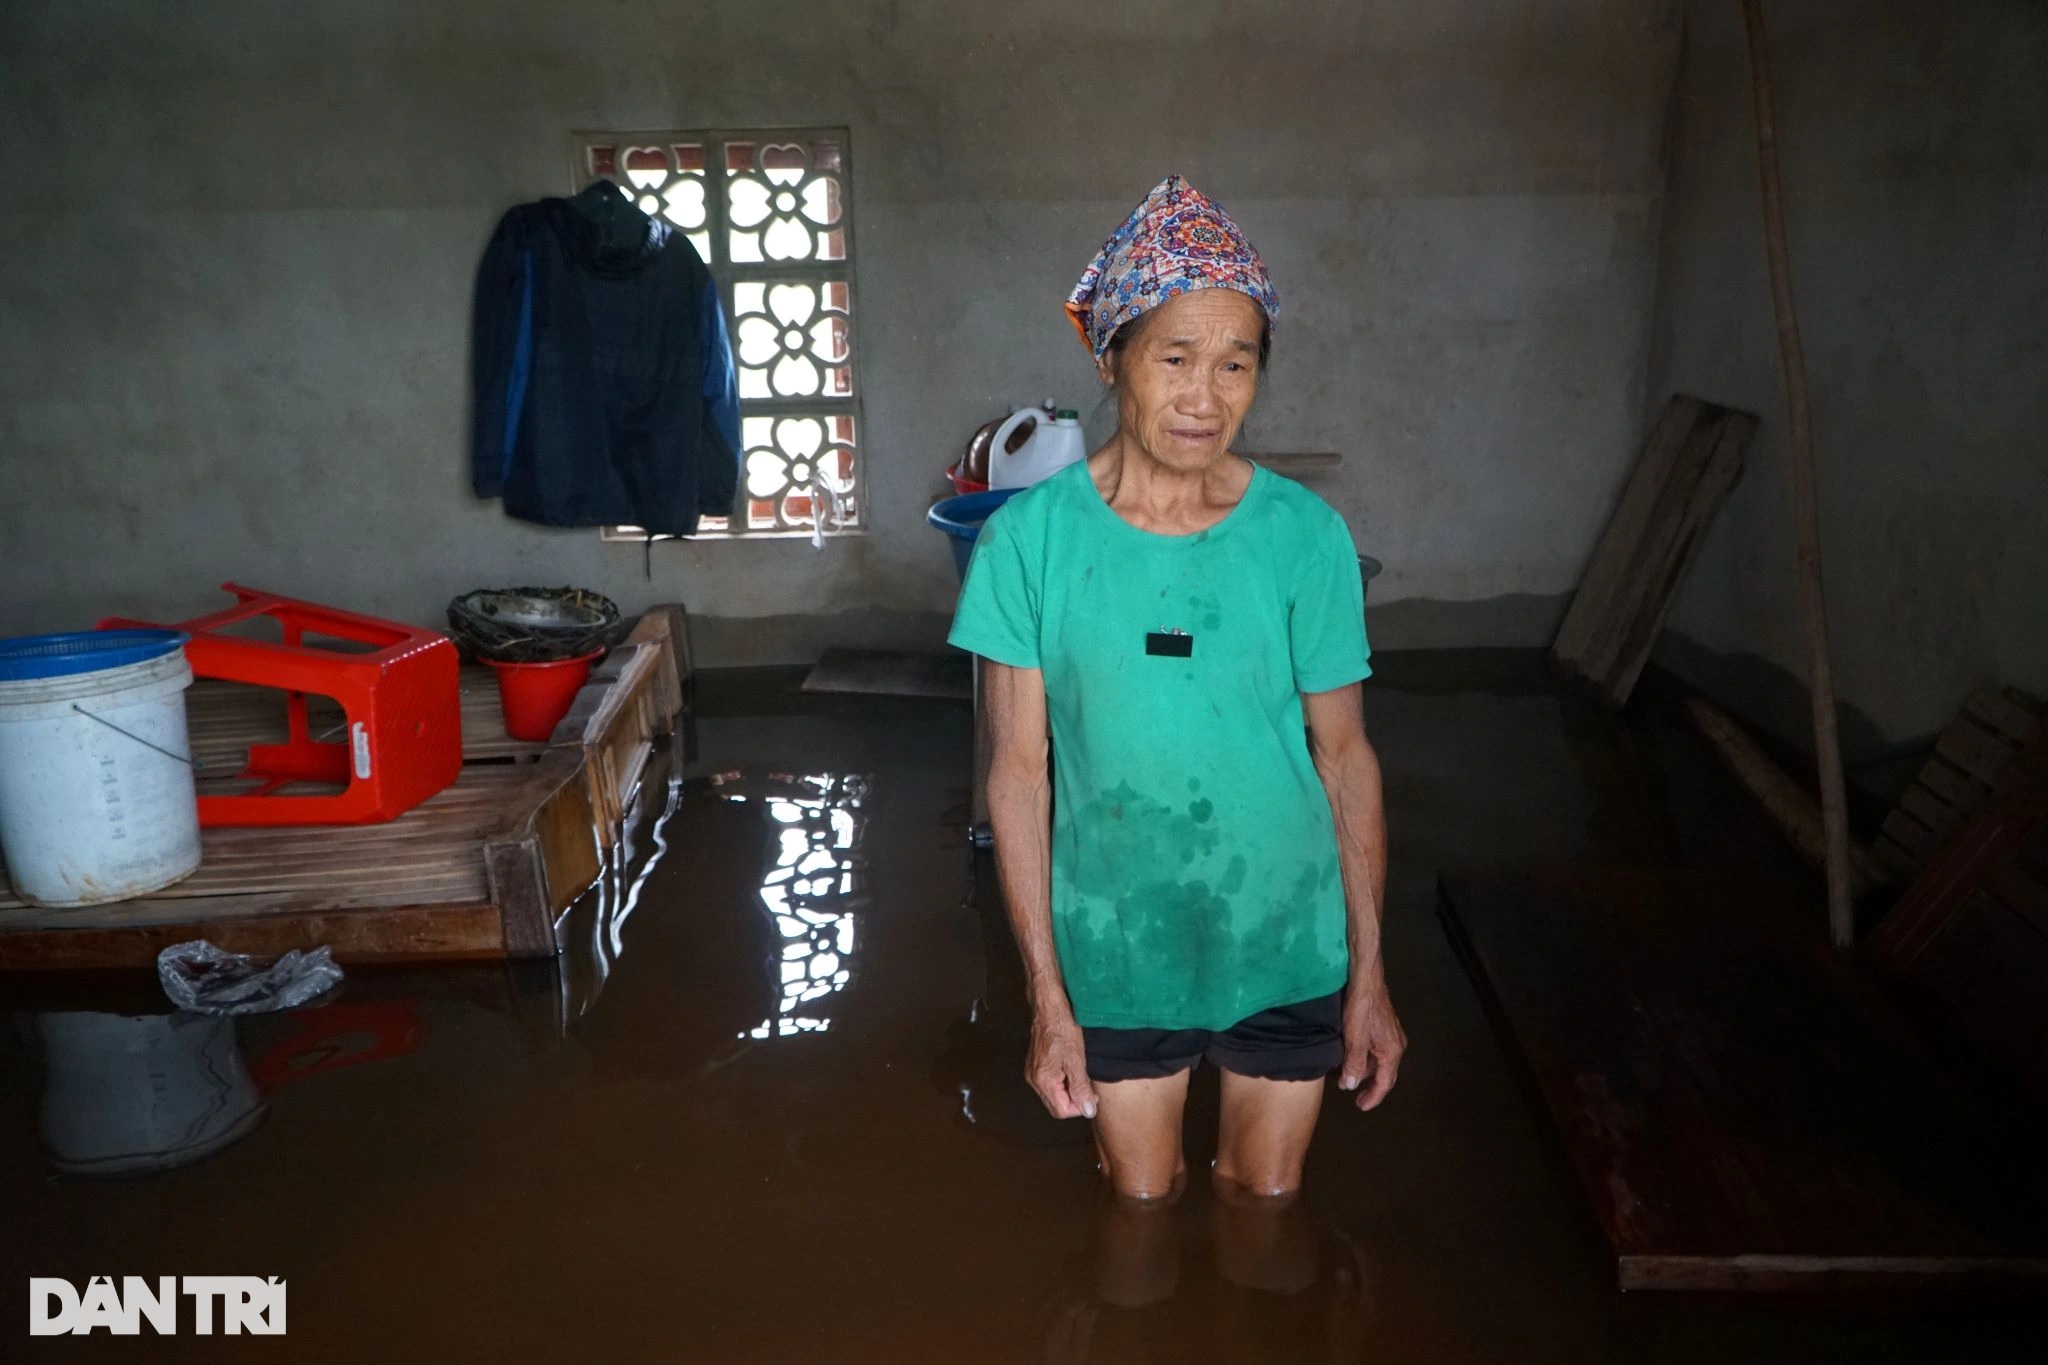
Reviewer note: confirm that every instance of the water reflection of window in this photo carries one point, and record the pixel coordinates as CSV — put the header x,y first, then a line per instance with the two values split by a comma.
x,y
813,888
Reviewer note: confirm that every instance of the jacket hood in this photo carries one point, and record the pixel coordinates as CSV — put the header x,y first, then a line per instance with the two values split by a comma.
x,y
615,242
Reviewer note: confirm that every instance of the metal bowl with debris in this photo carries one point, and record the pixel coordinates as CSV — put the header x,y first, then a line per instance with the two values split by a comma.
x,y
533,625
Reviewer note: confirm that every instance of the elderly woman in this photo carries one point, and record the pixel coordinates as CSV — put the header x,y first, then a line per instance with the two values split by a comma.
x,y
1207,882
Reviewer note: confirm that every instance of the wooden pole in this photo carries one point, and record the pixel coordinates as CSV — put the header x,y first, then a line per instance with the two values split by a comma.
x,y
1827,743
1784,800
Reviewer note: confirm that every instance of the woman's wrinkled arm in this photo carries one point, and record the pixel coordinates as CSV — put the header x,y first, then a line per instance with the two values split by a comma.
x,y
1020,814
1350,770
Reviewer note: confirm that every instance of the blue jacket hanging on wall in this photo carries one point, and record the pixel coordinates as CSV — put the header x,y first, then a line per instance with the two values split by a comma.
x,y
604,380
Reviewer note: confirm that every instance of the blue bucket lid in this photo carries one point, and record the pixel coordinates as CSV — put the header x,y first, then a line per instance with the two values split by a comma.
x,y
28,657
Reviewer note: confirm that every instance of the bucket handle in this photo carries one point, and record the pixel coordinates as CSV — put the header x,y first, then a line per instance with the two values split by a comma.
x,y
195,767
132,735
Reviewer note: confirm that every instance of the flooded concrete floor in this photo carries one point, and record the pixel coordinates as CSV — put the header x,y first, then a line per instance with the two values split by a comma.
x,y
769,1107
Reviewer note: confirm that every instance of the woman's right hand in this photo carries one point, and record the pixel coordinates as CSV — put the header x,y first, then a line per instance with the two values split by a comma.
x,y
1057,1067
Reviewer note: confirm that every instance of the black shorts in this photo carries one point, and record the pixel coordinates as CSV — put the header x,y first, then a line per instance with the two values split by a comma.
x,y
1299,1042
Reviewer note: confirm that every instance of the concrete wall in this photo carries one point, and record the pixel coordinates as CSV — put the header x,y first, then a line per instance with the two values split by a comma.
x,y
237,244
1915,152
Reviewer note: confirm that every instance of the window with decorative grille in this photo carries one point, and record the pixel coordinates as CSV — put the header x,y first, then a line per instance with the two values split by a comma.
x,y
770,211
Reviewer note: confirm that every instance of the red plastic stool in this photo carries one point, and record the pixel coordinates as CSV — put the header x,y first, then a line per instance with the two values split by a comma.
x,y
400,699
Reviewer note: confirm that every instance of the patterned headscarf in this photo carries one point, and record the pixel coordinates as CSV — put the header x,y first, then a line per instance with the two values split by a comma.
x,y
1177,240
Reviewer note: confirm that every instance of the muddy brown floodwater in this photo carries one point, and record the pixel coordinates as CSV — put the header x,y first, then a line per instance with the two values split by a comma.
x,y
769,1106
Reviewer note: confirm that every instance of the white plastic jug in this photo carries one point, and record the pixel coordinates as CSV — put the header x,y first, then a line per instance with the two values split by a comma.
x,y
1054,443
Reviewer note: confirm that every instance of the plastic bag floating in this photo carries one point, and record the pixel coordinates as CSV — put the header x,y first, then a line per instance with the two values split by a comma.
x,y
200,977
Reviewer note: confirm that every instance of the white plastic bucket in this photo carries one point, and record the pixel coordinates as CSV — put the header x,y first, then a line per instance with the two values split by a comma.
x,y
96,798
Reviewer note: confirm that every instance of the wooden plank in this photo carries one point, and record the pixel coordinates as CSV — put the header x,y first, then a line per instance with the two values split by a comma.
x,y
453,848
454,871
1971,757
1742,1110
632,669
541,780
162,911
1951,784
570,854
2003,713
363,886
1599,601
1825,1274
431,879
1660,569
518,888
1970,936
357,936
1785,801
596,697
666,627
453,829
616,730
683,721
1893,855
1909,834
544,854
1691,460
449,824
1936,814
1976,751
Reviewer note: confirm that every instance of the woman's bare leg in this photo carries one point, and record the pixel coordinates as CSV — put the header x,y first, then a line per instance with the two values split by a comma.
x,y
1265,1130
1263,1239
1136,1250
1137,1135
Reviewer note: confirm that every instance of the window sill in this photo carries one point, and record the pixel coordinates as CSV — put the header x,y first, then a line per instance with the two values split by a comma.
x,y
625,535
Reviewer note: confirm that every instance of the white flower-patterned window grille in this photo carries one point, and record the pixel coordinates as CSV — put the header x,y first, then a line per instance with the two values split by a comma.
x,y
777,231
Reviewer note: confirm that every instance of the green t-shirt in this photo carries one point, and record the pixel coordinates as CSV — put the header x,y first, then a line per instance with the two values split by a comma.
x,y
1194,858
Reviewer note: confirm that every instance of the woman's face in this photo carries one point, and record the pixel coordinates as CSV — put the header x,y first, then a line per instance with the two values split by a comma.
x,y
1185,382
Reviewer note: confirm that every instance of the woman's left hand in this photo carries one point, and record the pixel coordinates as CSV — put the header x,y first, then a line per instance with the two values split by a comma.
x,y
1373,1044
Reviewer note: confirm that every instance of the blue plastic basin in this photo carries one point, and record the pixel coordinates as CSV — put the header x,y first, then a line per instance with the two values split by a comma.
x,y
961,518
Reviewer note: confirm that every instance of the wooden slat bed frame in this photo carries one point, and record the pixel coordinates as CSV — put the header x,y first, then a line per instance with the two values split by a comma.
x,y
483,870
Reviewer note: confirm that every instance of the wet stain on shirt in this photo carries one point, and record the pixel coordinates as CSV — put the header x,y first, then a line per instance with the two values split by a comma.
x,y
1174,933
1125,827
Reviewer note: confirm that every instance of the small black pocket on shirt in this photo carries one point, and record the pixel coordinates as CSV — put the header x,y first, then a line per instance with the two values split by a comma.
x,y
1172,644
